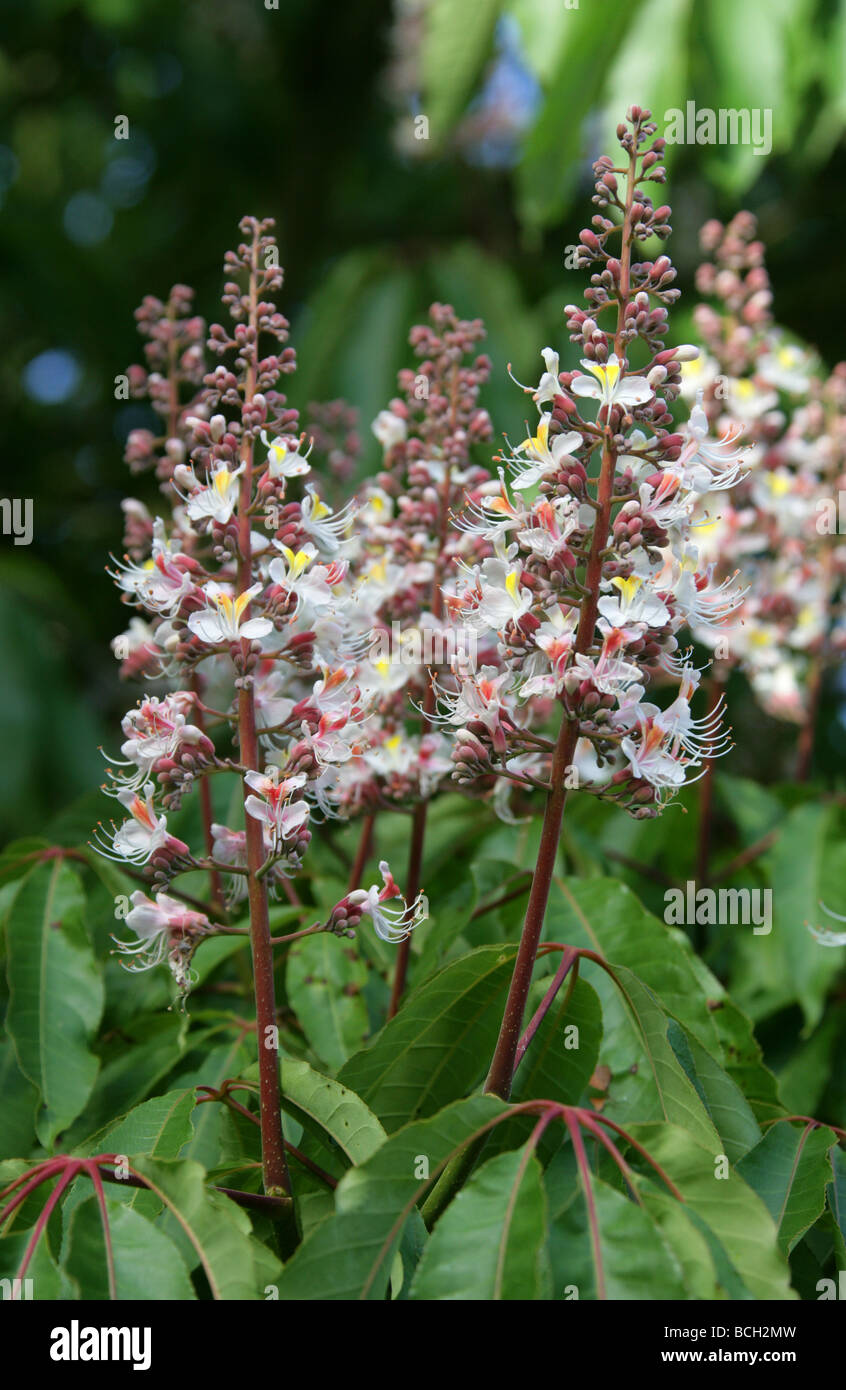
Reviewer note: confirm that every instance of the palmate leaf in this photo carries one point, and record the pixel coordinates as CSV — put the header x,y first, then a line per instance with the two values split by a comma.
x,y
440,1043
209,1230
56,993
147,1263
740,1229
553,1068
490,1242
350,1255
789,1169
620,1254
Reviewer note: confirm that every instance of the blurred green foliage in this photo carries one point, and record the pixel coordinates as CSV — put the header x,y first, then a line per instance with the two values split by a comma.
x,y
306,115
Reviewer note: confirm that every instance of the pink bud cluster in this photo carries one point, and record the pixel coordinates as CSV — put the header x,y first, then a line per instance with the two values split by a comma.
x,y
781,522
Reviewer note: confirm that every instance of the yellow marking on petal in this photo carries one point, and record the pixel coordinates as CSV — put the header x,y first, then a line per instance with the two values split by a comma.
x,y
224,601
383,667
393,743
744,388
512,584
241,603
537,442
778,484
318,508
607,374
787,356
221,481
378,571
628,587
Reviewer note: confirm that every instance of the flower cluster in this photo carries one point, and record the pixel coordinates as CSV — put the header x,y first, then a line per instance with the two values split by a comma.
x,y
252,622
405,553
595,564
781,522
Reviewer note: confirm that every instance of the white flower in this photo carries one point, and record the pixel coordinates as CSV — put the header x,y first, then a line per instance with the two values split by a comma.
x,y
786,367
323,525
282,460
547,457
825,935
216,500
273,805
221,621
635,603
391,924
389,429
549,385
503,599
608,385
160,583
165,929
138,838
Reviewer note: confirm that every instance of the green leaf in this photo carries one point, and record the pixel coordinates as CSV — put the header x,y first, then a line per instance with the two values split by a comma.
x,y
836,1197
559,1062
625,1257
330,1110
147,1263
208,1228
738,1221
340,1131
489,1243
56,993
151,1048
802,867
20,1102
157,1128
350,1255
649,71
549,169
456,42
722,1098
789,1169
440,1042
607,917
563,1054
744,1063
324,979
652,1083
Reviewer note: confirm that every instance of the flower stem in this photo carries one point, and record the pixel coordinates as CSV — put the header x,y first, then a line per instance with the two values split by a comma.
x,y
505,1055
412,888
277,1182
365,846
